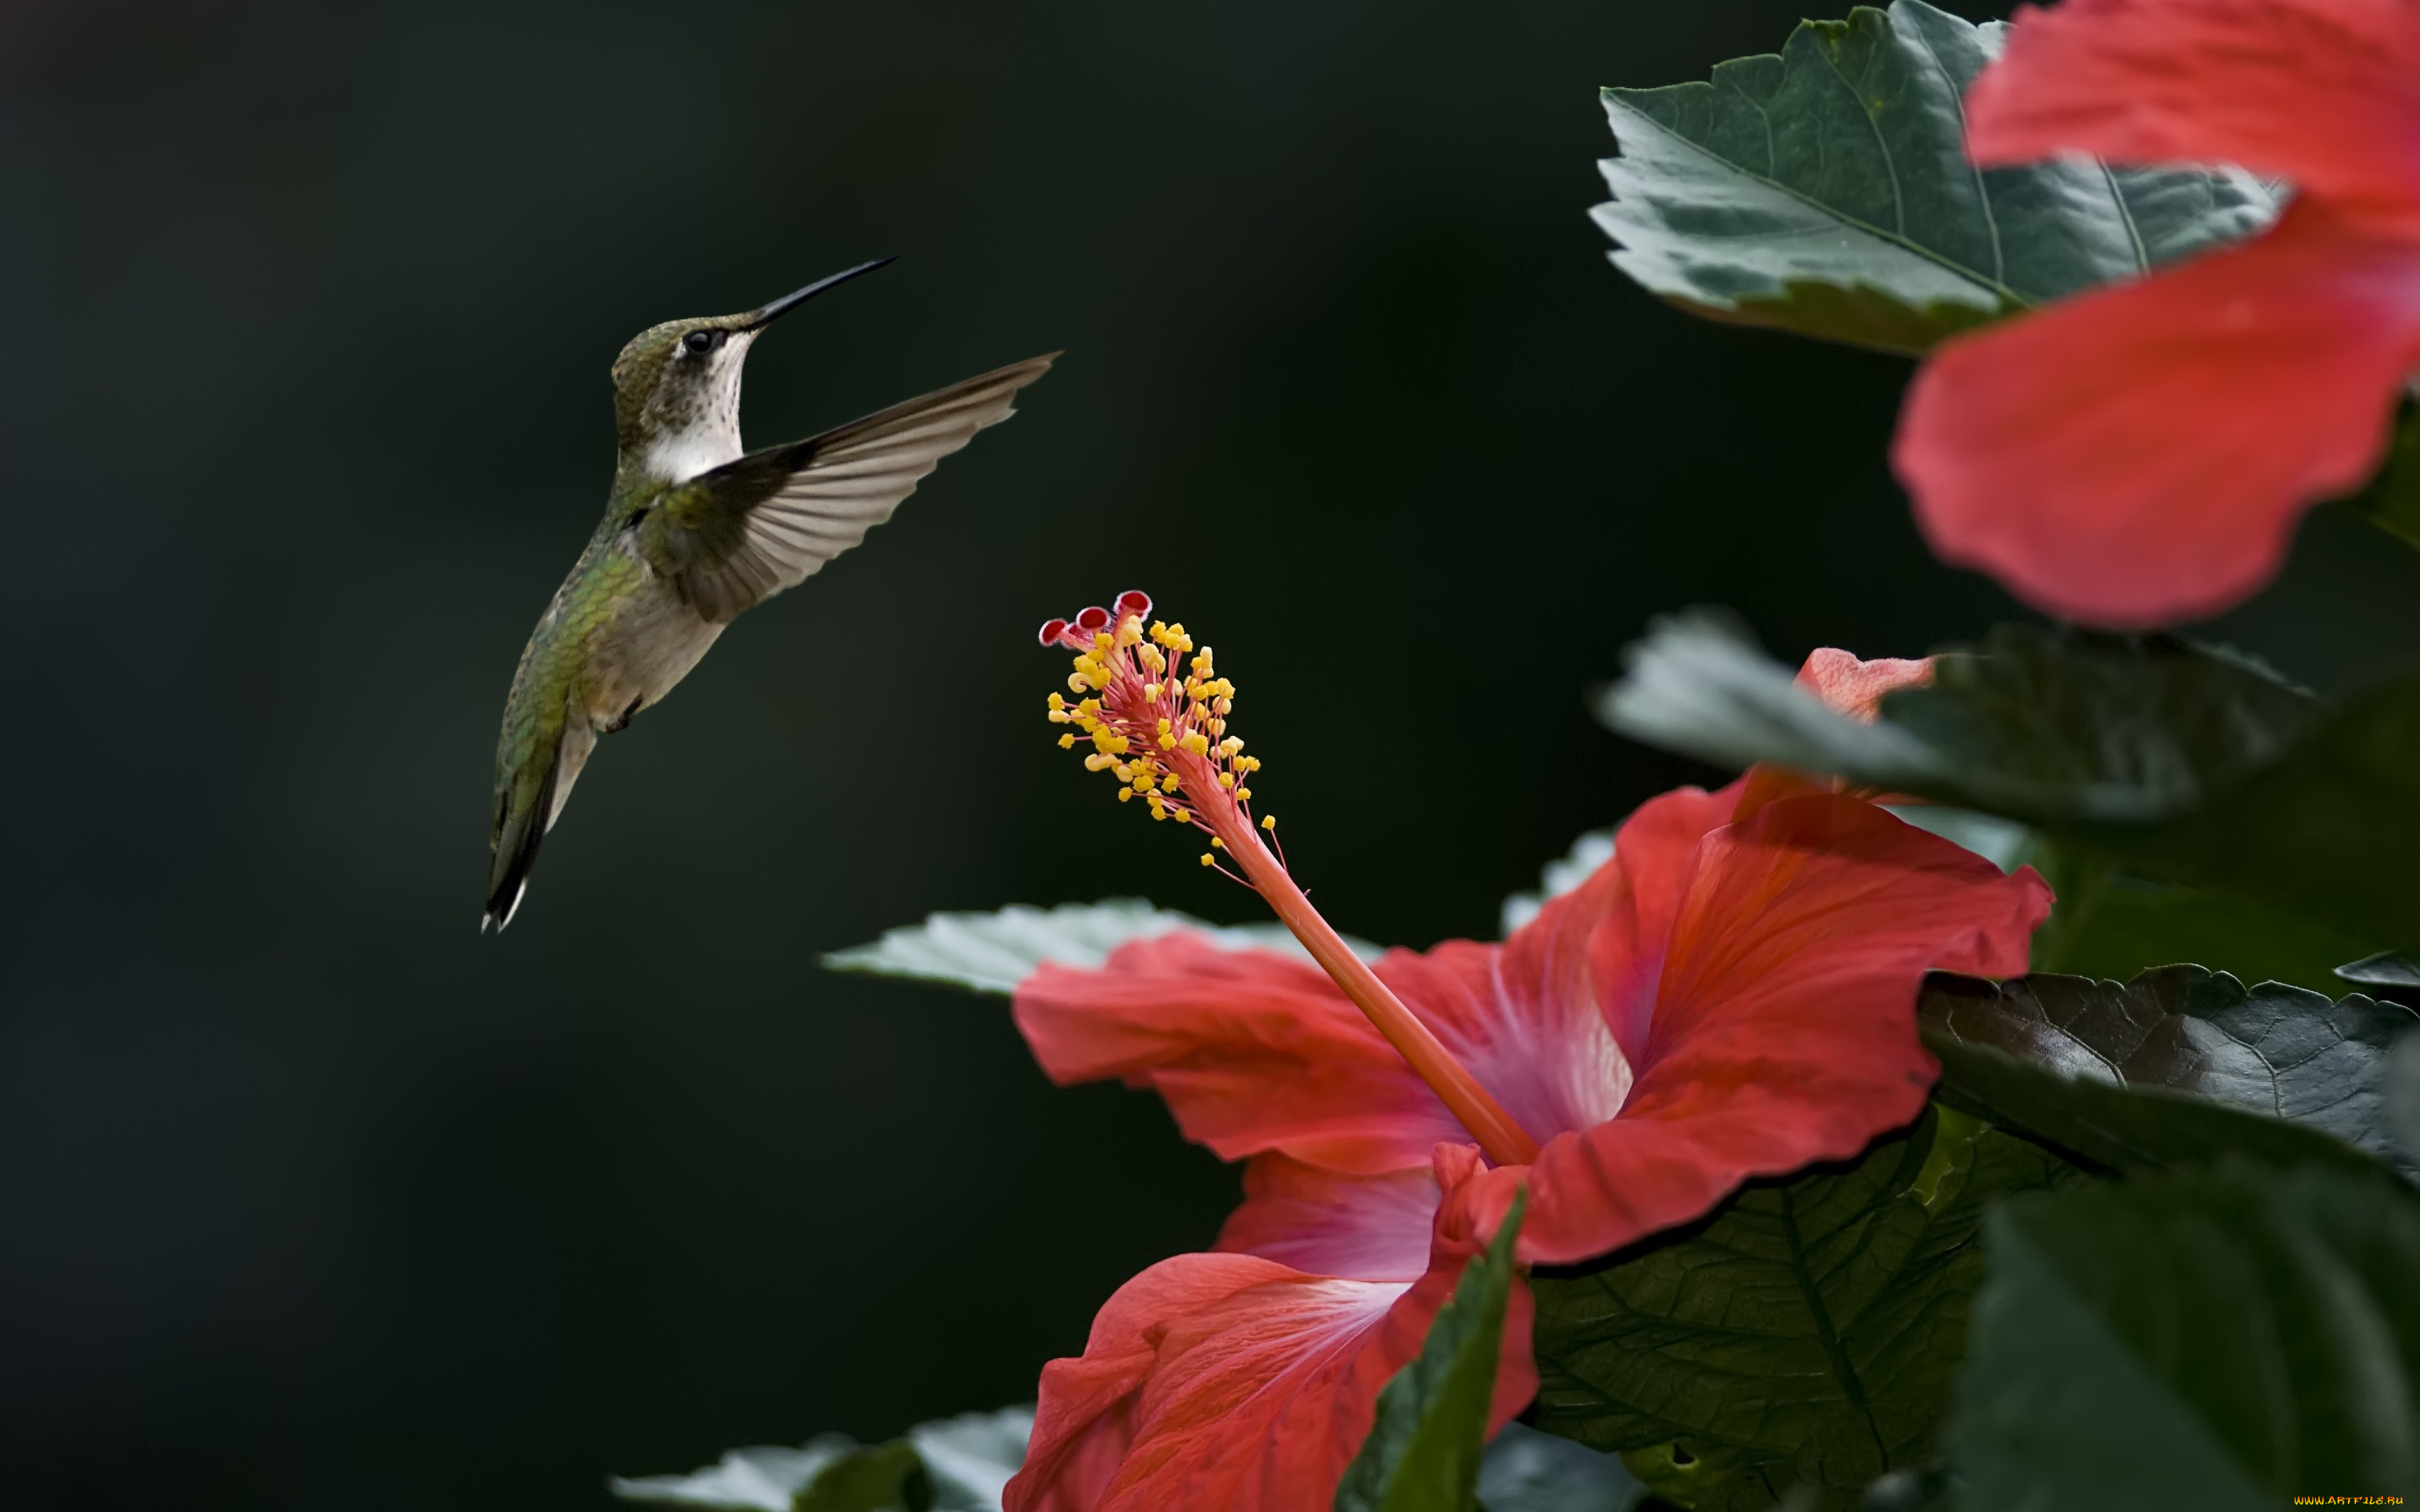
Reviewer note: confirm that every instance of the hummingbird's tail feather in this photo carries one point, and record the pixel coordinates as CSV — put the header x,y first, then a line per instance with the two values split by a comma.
x,y
526,807
519,829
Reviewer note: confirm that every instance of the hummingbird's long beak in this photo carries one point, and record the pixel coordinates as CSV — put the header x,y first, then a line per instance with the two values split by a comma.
x,y
759,320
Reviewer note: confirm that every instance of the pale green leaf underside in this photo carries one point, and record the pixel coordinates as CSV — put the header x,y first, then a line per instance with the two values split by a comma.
x,y
1558,876
968,1459
993,952
1826,191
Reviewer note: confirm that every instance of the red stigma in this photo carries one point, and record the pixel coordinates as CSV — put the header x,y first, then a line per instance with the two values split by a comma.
x,y
1134,601
1095,619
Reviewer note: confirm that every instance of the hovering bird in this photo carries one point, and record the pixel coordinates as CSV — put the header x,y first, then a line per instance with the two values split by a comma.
x,y
695,531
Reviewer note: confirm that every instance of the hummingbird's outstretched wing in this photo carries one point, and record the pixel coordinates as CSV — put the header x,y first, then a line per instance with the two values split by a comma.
x,y
737,534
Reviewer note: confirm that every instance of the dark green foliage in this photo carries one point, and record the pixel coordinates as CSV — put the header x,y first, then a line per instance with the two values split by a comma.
x,y
2390,501
1826,191
2168,762
1430,1433
2217,1341
1806,1334
2177,1066
2111,924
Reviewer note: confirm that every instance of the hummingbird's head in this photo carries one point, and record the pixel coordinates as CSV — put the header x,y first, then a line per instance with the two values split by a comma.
x,y
677,385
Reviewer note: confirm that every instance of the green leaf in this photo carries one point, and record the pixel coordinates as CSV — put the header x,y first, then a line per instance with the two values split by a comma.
x,y
2109,924
1423,1450
993,952
2178,1067
2178,763
2391,499
2403,1096
959,1464
1826,191
1803,1335
887,1477
2217,1342
766,1477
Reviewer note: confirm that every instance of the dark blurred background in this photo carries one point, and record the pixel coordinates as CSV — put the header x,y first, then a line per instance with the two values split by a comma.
x,y
310,1196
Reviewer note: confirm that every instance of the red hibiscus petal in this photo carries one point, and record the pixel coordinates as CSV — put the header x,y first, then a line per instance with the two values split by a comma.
x,y
1260,1382
1252,1051
2325,92
1854,687
1784,1029
2138,455
1370,1227
1085,1420
1599,946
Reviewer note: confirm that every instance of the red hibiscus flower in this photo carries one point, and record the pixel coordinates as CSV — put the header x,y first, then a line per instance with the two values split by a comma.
x,y
2139,455
1732,994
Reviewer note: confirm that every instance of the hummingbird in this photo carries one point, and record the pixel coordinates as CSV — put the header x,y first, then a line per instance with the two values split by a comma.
x,y
696,531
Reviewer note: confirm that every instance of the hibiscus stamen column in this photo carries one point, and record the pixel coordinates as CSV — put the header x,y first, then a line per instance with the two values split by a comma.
x,y
1154,711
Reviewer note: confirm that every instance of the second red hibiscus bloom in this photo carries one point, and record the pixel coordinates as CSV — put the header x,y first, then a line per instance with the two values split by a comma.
x,y
2139,455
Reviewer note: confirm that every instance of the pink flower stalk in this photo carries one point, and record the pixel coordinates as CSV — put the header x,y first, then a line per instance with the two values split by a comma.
x,y
1733,994
2139,455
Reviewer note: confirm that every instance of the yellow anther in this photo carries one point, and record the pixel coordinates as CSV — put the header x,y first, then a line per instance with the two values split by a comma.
x,y
1216,727
1229,745
1099,761
1126,795
1103,643
1142,784
1216,843
1196,742
1227,779
1242,795
1270,823
1114,743
1171,783
1207,859
1223,689
1130,631
1076,683
1179,815
1088,706
1058,715
1222,706
1151,693
1167,741
1066,742
1058,702
1150,657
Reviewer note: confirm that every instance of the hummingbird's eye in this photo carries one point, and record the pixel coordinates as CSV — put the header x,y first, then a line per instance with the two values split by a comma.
x,y
698,341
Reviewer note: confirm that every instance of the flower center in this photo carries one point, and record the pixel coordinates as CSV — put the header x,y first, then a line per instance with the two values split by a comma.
x,y
1155,712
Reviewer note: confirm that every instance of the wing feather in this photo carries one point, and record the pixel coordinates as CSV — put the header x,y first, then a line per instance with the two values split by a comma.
x,y
734,536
